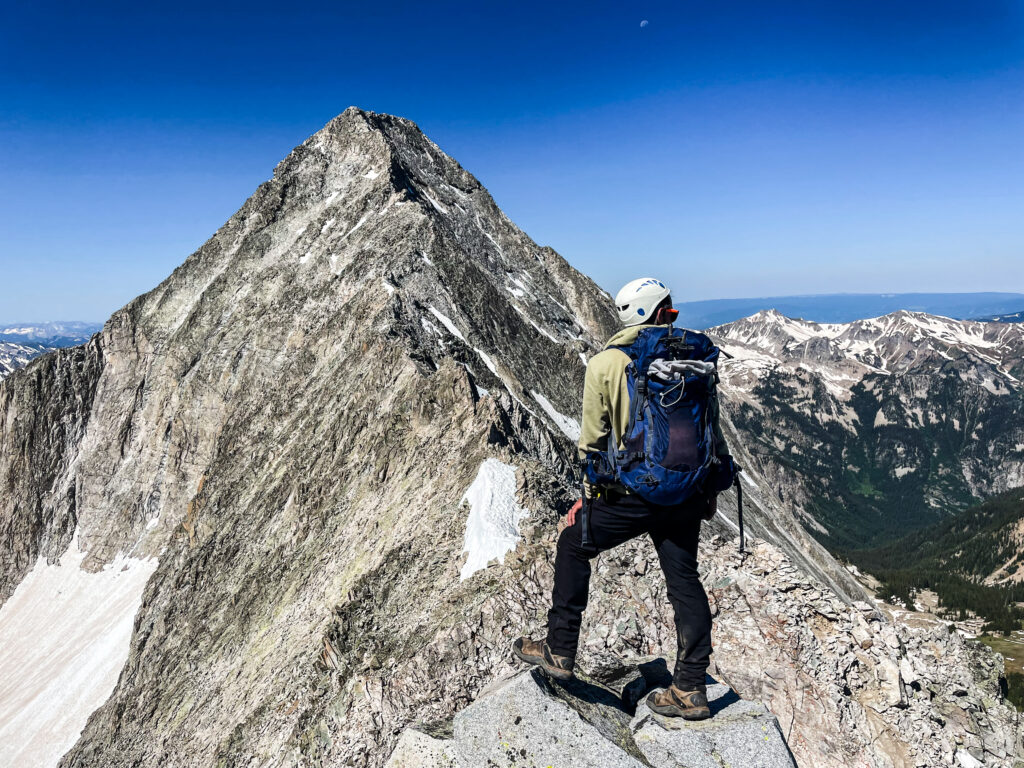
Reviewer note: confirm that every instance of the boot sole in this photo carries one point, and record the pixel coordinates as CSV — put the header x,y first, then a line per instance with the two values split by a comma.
x,y
671,710
538,661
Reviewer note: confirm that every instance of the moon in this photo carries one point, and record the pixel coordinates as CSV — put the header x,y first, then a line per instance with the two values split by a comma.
x,y
644,23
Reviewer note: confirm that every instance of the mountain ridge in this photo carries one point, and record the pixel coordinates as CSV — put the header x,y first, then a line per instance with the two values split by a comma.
x,y
881,425
847,307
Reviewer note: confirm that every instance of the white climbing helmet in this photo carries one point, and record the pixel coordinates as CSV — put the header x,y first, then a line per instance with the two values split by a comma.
x,y
637,300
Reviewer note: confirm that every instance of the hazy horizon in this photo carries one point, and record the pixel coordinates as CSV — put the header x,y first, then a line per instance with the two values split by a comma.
x,y
1014,303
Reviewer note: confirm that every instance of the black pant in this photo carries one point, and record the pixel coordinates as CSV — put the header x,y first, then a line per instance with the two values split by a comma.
x,y
617,518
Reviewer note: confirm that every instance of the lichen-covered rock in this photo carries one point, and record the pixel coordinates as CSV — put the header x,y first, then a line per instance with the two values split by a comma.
x,y
530,721
739,733
417,749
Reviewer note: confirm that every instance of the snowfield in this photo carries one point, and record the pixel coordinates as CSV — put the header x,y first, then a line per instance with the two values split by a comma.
x,y
64,634
492,528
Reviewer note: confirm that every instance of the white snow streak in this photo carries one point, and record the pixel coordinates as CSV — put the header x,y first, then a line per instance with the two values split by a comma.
x,y
492,528
570,427
64,634
487,361
357,226
436,204
447,323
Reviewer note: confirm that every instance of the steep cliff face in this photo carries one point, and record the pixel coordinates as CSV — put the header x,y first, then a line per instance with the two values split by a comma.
x,y
44,410
286,429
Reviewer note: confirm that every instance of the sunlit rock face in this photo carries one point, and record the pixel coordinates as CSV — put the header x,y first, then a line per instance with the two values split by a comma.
x,y
291,431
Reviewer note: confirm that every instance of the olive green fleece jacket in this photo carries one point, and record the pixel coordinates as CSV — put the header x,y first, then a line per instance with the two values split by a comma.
x,y
606,398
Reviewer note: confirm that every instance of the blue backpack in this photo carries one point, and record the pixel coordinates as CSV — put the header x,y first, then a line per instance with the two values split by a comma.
x,y
668,452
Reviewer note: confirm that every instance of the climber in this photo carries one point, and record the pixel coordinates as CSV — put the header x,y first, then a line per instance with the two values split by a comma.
x,y
638,479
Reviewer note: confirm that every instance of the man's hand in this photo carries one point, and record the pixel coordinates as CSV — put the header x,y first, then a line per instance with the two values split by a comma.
x,y
570,519
712,506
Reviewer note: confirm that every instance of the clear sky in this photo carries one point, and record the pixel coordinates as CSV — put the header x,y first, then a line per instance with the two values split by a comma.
x,y
732,148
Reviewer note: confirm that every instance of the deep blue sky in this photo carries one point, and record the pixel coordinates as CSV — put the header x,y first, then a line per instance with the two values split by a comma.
x,y
732,148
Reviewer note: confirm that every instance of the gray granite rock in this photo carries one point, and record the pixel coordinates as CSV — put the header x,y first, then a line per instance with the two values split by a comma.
x,y
741,734
530,721
416,749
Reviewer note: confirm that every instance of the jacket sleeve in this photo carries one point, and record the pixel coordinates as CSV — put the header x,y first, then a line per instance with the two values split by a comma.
x,y
605,401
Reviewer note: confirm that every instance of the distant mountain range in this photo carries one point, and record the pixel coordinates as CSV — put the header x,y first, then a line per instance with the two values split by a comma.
x,y
14,355
22,342
848,307
49,334
872,429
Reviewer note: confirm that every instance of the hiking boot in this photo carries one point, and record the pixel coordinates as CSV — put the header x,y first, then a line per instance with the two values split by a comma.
x,y
673,702
537,652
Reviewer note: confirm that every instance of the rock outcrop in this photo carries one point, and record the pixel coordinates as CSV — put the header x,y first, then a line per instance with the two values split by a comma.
x,y
531,721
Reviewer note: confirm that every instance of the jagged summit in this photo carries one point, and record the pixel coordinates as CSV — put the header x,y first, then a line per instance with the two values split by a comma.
x,y
286,422
366,229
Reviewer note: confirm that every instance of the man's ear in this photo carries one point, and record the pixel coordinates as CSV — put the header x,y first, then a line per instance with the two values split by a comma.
x,y
666,316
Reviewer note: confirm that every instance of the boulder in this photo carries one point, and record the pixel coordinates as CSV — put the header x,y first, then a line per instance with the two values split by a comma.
x,y
532,721
739,733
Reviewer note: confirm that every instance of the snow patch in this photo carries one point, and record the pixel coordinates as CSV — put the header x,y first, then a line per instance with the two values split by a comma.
x,y
492,528
371,174
357,226
447,323
487,361
65,634
436,204
570,427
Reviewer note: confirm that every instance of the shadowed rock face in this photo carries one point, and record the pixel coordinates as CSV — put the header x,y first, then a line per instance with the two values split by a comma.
x,y
289,421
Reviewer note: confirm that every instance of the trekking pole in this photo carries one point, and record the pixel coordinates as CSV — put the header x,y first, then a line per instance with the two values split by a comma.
x,y
739,504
